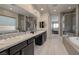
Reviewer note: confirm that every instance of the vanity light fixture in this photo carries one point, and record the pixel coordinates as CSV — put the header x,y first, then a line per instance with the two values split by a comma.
x,y
42,9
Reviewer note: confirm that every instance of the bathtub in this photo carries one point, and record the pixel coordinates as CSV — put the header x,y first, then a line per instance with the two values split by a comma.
x,y
72,45
74,40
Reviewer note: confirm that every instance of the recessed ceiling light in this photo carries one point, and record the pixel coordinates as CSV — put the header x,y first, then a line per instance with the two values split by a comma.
x,y
54,10
69,7
42,9
11,8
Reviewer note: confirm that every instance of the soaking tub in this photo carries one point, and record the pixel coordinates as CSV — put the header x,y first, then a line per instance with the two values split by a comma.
x,y
72,45
74,40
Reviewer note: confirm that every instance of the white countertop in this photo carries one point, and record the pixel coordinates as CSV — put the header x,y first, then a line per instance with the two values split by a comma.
x,y
7,43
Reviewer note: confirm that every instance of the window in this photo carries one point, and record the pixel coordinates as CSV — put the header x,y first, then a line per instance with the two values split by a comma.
x,y
55,25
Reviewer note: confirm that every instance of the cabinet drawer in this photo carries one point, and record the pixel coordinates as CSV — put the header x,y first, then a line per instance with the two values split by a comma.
x,y
29,41
4,52
18,53
18,47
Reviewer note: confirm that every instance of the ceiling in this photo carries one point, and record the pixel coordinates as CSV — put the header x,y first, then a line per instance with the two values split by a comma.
x,y
54,8
50,8
16,9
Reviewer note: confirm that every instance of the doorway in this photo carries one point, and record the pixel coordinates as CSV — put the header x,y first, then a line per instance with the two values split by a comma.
x,y
54,24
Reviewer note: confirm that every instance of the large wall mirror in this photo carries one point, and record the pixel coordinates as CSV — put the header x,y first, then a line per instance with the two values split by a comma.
x,y
7,24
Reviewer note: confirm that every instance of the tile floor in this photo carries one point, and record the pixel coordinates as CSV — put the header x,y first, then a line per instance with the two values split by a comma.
x,y
53,46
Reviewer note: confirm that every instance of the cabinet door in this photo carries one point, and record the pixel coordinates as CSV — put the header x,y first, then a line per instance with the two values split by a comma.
x,y
28,50
17,47
4,52
18,53
38,40
29,41
45,36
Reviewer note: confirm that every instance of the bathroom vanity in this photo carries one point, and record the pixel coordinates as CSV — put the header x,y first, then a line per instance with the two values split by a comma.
x,y
22,44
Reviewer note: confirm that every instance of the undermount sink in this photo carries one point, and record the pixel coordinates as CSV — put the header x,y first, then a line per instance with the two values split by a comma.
x,y
3,41
11,40
6,41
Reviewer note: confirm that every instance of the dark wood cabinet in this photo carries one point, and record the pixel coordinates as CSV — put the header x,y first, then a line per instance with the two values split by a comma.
x,y
18,47
4,52
44,36
18,53
30,41
29,50
40,39
23,48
